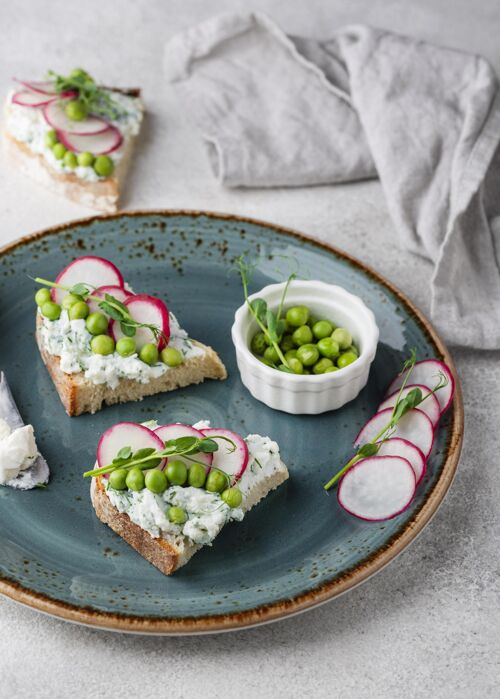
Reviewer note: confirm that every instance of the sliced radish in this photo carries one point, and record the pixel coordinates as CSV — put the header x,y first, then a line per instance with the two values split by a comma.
x,y
228,459
406,450
430,406
377,488
427,372
117,291
125,434
415,427
149,310
26,98
166,432
44,87
56,117
92,270
97,143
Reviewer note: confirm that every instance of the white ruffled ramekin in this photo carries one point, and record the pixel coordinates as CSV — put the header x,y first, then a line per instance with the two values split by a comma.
x,y
308,394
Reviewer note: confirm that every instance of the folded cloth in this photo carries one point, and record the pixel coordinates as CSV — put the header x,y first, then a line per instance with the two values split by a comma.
x,y
286,111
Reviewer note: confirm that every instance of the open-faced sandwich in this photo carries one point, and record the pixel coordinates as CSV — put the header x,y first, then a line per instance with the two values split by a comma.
x,y
169,490
103,344
73,136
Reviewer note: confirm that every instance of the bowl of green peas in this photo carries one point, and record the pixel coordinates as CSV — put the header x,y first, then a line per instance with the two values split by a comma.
x,y
304,347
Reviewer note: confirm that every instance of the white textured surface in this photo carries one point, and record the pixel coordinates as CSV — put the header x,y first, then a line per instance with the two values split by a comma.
x,y
428,625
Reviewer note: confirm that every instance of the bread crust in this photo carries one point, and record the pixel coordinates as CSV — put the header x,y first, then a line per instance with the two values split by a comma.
x,y
79,395
162,554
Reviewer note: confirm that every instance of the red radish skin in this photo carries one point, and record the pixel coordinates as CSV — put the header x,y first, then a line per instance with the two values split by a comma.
x,y
102,143
146,309
44,87
96,271
406,450
430,406
415,427
426,372
126,434
117,291
233,463
176,430
26,98
377,488
55,116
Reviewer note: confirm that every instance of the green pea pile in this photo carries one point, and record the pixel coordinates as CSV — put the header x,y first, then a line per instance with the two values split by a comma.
x,y
102,164
176,473
98,326
310,345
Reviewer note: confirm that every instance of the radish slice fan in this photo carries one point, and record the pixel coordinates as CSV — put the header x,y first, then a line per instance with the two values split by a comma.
x,y
55,116
125,434
377,488
89,269
26,98
232,461
415,427
401,447
176,430
97,143
430,406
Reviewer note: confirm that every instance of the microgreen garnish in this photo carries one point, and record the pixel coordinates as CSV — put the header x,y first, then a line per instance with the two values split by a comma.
x,y
110,305
413,399
96,99
149,457
272,324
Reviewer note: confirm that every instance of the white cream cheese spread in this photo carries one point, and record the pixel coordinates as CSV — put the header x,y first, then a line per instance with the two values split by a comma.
x,y
28,125
18,450
206,512
70,341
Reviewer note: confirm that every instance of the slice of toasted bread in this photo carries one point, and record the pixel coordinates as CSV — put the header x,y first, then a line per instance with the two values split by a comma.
x,y
167,553
79,395
101,195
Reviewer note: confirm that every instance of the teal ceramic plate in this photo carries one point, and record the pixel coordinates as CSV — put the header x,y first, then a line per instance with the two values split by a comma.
x,y
293,551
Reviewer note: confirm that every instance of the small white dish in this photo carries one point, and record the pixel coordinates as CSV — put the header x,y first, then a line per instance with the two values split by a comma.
x,y
307,394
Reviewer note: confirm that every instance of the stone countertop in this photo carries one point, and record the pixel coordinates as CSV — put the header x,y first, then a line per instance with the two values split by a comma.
x,y
428,624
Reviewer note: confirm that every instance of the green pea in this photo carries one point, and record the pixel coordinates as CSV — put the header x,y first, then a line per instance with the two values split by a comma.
x,y
287,343
70,159
271,355
322,365
96,323
296,365
312,321
149,353
51,310
135,479
343,337
59,151
322,329
302,336
126,346
308,354
50,138
328,347
103,165
176,472
102,344
76,110
70,300
79,73
353,348
78,311
345,359
331,368
118,479
297,316
85,159
42,296
172,357
216,482
291,354
177,515
156,481
266,362
258,344
232,497
197,475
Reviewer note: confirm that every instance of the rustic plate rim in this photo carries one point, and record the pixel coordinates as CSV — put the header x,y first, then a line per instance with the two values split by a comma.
x,y
315,596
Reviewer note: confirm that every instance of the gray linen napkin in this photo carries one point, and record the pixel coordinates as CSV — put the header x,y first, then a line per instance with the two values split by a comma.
x,y
281,111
